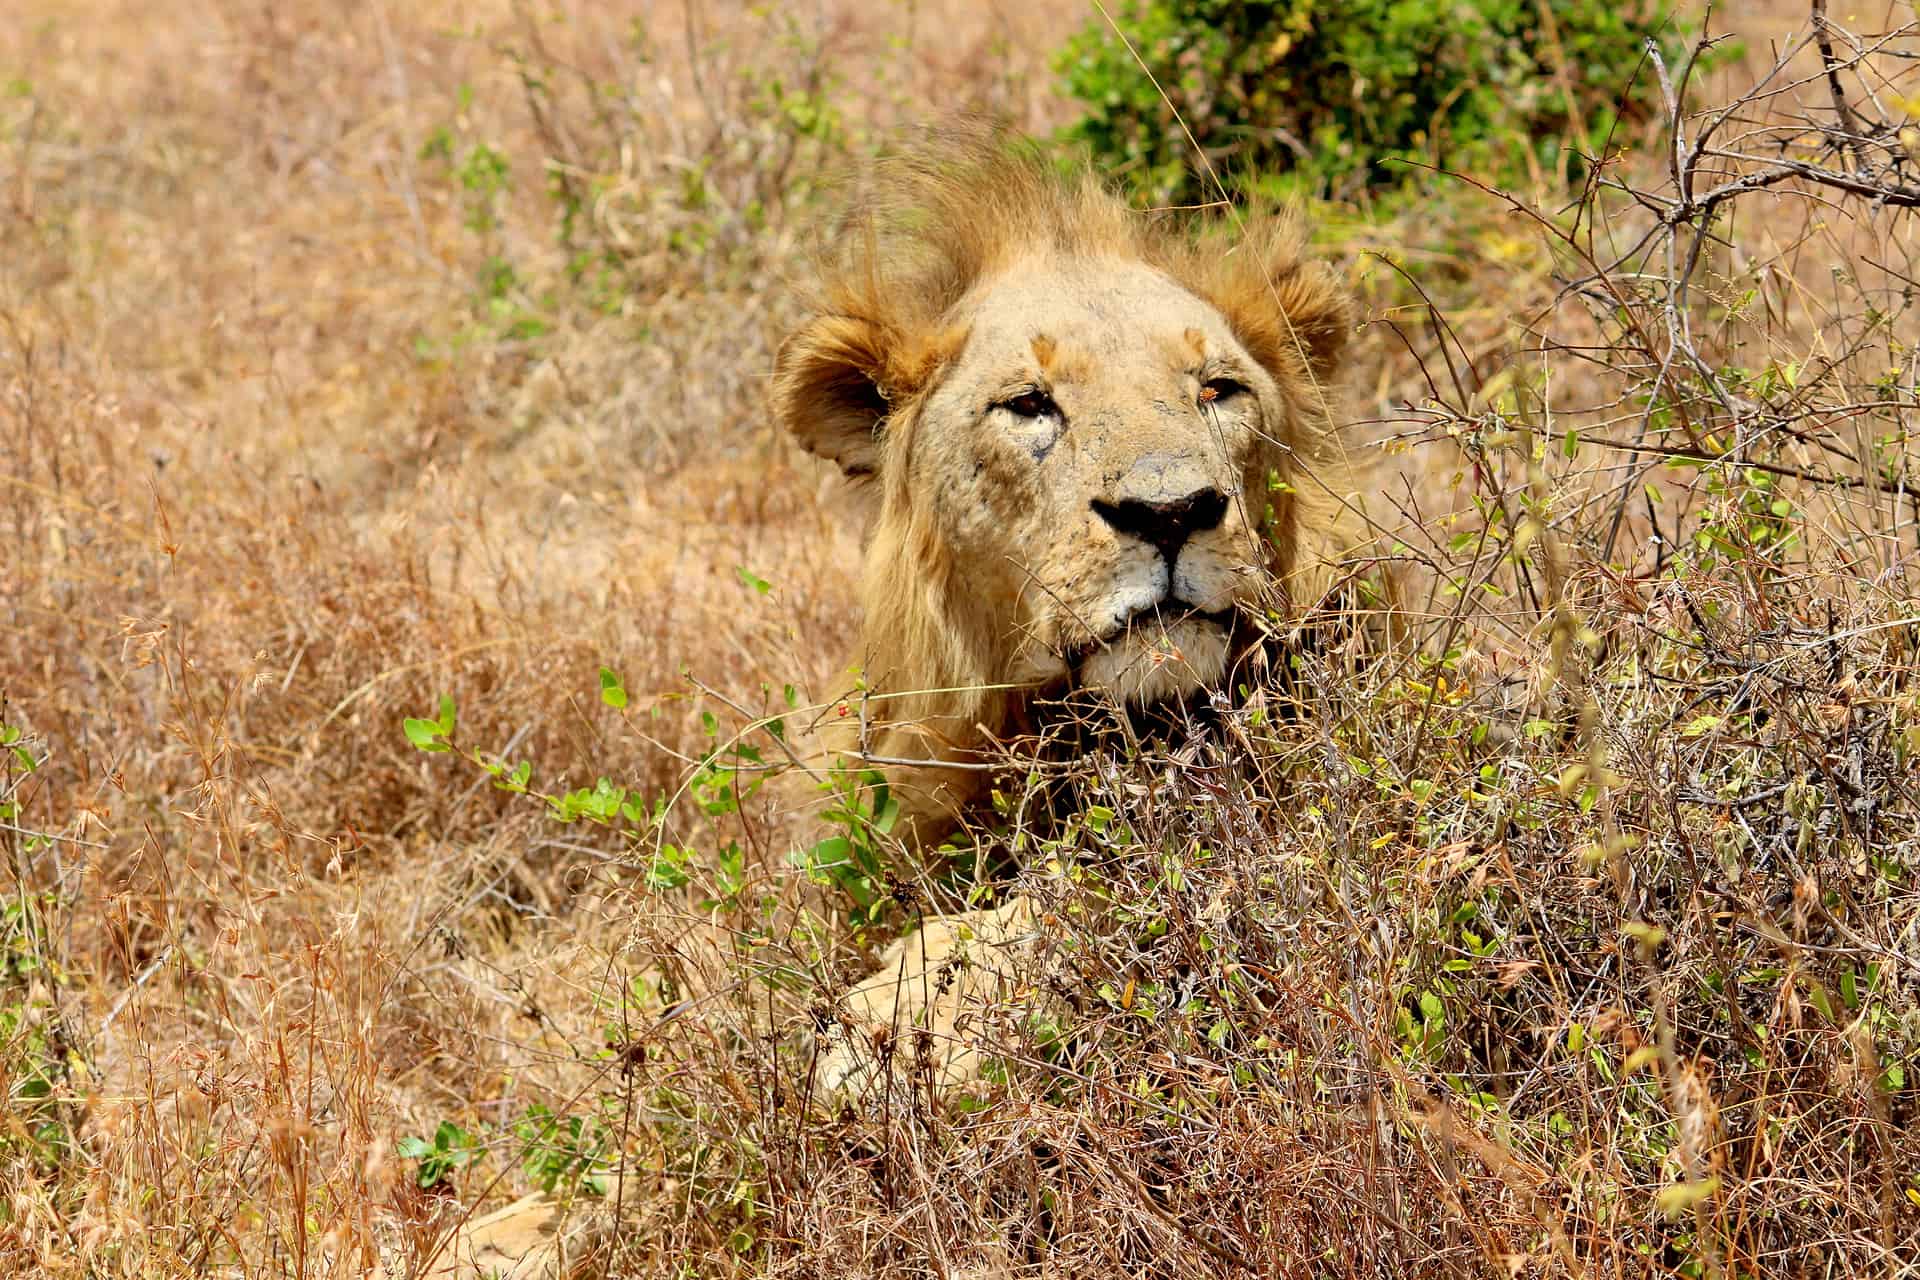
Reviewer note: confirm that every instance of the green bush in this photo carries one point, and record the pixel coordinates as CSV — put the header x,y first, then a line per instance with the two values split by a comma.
x,y
1324,91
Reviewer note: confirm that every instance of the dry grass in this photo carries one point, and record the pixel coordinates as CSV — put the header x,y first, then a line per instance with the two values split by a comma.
x,y
1627,988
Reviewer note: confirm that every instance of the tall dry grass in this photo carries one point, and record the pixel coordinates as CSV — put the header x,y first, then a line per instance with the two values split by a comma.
x,y
276,473
1625,986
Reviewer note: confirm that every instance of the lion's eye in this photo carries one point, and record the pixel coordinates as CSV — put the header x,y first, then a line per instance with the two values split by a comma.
x,y
1032,404
1218,389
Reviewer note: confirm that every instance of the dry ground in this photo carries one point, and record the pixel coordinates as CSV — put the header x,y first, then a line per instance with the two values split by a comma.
x,y
287,454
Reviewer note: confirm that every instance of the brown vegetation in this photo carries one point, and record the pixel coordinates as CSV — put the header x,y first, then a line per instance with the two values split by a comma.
x,y
307,416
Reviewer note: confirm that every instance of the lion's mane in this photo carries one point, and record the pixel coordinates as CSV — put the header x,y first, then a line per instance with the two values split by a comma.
x,y
925,227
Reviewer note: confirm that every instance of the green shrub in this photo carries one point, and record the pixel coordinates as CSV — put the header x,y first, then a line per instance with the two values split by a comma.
x,y
1324,91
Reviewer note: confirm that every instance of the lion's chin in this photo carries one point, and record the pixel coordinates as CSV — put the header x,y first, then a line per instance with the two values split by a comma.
x,y
1154,664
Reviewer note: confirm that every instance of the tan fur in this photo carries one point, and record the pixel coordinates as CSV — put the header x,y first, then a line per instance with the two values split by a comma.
x,y
1025,374
954,244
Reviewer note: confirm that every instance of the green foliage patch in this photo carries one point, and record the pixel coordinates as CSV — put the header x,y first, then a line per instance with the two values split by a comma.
x,y
1327,96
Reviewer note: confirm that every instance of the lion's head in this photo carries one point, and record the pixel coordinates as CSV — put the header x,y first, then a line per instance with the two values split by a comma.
x,y
1089,435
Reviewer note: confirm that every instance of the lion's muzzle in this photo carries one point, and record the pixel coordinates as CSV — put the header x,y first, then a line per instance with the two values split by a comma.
x,y
1166,525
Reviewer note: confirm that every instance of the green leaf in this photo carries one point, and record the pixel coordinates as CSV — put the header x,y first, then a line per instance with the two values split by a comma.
x,y
1682,1196
753,580
1650,936
886,811
831,853
612,692
425,734
669,870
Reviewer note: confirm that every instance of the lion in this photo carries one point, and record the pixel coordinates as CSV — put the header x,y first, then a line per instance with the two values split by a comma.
x,y
1087,439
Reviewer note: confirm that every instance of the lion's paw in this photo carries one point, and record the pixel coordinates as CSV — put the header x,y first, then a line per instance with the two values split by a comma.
x,y
519,1242
925,1014
538,1237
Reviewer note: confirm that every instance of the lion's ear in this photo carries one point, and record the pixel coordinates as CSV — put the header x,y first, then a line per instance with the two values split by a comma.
x,y
1288,311
826,390
1316,318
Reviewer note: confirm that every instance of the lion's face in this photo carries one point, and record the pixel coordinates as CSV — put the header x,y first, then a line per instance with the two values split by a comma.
x,y
1083,436
1095,455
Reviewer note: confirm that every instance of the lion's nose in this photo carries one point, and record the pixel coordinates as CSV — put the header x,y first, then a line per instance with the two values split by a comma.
x,y
1166,525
